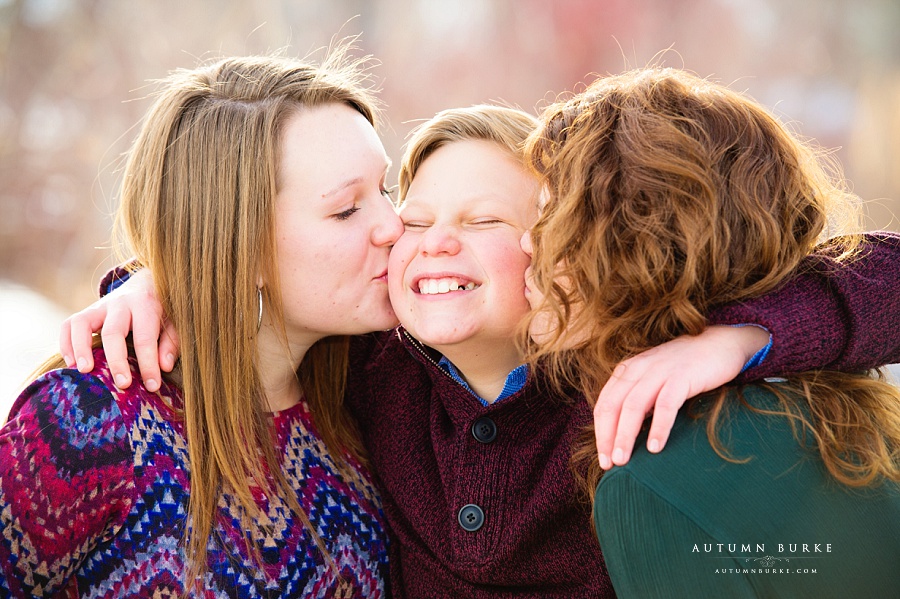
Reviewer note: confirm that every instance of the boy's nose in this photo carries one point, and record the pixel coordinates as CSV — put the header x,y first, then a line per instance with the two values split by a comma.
x,y
440,240
525,242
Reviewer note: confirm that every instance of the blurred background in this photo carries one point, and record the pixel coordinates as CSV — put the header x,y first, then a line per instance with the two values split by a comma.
x,y
74,81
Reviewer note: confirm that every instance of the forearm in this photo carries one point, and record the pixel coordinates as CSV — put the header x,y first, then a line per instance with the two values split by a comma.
x,y
842,316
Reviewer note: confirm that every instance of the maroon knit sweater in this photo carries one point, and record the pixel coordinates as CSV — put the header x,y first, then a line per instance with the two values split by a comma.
x,y
840,317
419,427
417,424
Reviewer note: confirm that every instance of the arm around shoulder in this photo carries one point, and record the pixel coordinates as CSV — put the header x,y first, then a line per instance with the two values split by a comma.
x,y
836,315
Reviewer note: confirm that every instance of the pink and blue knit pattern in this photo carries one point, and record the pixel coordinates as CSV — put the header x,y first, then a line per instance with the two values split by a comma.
x,y
94,486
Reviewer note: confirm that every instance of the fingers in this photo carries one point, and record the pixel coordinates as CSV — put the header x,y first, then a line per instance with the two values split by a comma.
x,y
608,409
638,387
65,343
113,316
145,338
114,333
660,380
642,398
137,307
76,337
670,399
631,418
169,346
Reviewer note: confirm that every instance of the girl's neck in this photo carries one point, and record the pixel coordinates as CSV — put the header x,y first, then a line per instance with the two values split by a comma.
x,y
278,369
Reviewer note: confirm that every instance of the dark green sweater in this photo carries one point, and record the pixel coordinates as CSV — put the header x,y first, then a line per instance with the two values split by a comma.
x,y
687,523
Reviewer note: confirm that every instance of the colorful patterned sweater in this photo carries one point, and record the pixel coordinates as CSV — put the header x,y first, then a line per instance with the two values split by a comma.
x,y
94,486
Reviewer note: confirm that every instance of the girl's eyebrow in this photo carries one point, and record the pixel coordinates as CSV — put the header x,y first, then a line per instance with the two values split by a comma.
x,y
342,186
354,181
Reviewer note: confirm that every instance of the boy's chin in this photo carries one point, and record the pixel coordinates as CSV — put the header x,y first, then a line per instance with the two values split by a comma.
x,y
440,336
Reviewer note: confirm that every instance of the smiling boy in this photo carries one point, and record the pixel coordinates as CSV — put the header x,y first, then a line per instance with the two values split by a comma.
x,y
457,272
472,455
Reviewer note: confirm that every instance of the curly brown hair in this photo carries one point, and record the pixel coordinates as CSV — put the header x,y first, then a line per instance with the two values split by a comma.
x,y
669,195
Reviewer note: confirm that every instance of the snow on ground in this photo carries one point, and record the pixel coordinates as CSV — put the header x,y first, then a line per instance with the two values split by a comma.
x,y
29,333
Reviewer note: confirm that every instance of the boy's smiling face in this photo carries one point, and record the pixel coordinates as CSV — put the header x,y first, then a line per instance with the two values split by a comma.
x,y
456,275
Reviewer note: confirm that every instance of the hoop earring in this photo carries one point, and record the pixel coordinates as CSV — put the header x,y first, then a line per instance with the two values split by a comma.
x,y
259,320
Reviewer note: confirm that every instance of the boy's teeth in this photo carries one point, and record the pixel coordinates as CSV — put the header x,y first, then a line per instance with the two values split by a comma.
x,y
439,286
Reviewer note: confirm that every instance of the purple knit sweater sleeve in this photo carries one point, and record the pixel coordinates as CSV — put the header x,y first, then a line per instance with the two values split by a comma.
x,y
114,278
838,316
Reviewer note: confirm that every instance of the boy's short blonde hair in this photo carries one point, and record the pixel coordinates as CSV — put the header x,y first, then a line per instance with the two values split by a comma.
x,y
507,127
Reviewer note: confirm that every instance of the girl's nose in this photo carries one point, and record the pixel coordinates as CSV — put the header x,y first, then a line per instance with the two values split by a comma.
x,y
388,226
525,243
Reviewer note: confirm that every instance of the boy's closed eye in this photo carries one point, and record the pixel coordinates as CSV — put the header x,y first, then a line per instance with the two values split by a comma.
x,y
416,224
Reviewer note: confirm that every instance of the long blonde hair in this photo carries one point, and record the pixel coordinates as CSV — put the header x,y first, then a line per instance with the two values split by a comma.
x,y
198,199
670,195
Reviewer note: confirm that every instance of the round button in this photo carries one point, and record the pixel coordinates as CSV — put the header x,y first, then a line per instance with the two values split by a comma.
x,y
470,517
484,430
